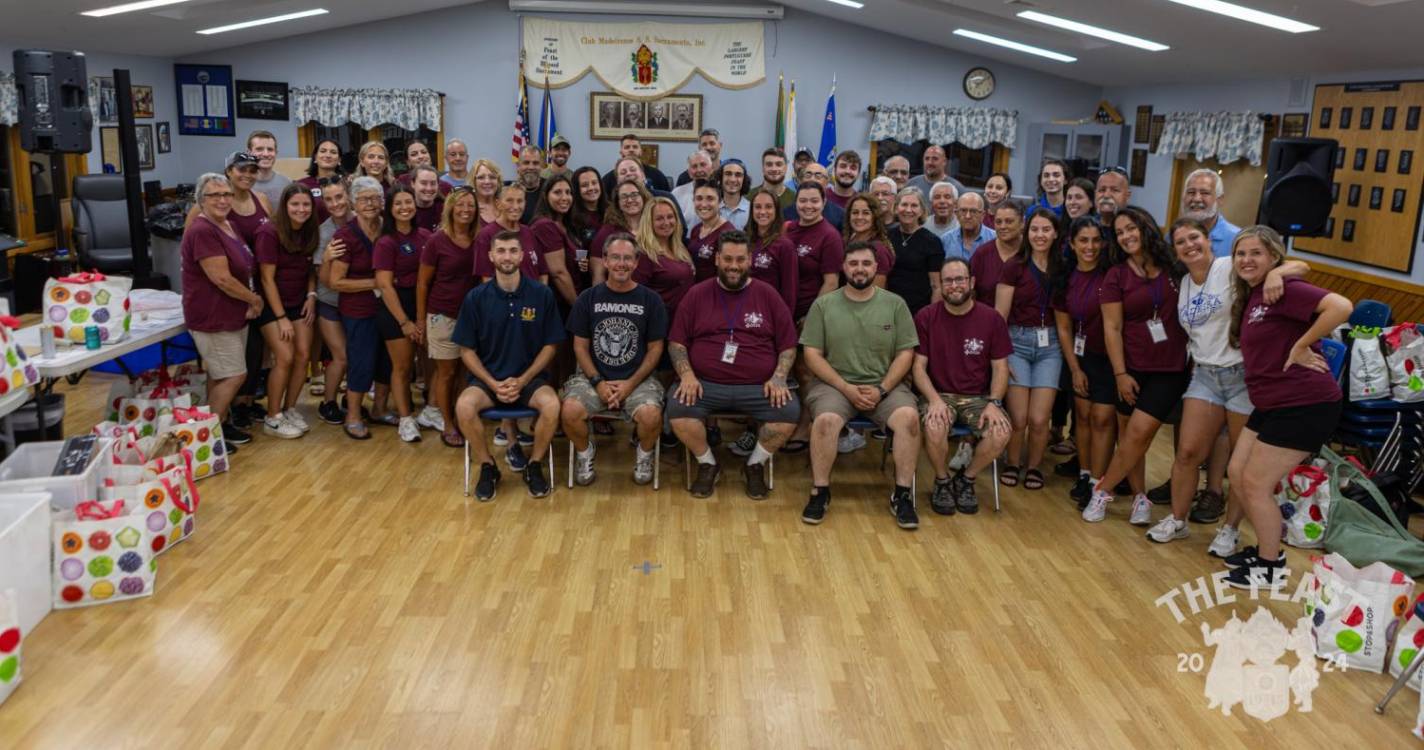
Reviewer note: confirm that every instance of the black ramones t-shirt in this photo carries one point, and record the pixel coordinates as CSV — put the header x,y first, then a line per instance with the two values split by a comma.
x,y
618,327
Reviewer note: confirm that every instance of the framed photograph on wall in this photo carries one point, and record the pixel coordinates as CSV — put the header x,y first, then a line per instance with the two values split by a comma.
x,y
165,138
262,100
1137,176
205,100
1294,125
677,117
108,109
144,135
111,158
1142,129
142,101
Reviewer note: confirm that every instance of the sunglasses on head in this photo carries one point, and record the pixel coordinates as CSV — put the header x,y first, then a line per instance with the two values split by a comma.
x,y
324,181
1114,169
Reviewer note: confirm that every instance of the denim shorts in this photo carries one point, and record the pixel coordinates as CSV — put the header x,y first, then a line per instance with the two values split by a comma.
x,y
1031,365
1221,386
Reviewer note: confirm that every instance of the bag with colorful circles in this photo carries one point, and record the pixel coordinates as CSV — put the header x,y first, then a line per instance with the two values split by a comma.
x,y
158,384
73,303
9,644
103,553
147,414
16,369
1355,612
1304,498
1407,645
200,432
167,500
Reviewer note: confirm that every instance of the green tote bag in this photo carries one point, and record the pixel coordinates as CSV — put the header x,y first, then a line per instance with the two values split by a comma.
x,y
1361,536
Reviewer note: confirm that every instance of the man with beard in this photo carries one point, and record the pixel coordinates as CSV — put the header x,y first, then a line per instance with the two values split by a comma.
x,y
429,205
773,178
834,214
1201,200
859,343
699,167
845,170
711,142
506,331
559,153
1112,193
526,173
732,345
632,148
619,328
935,162
962,370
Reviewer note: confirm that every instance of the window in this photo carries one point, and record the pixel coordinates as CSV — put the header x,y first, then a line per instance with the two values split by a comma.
x,y
971,166
352,136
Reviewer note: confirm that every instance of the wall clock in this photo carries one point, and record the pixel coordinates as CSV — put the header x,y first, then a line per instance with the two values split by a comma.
x,y
978,83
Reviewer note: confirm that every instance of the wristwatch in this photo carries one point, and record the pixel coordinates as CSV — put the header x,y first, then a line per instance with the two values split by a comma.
x,y
883,392
594,380
997,402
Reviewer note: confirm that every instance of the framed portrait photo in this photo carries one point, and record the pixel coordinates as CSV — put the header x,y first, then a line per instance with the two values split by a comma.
x,y
142,101
165,138
262,100
144,135
677,117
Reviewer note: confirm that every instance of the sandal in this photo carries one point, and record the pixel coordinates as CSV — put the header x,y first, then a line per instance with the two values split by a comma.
x,y
795,446
357,431
389,419
318,386
1064,447
452,438
1009,477
1033,479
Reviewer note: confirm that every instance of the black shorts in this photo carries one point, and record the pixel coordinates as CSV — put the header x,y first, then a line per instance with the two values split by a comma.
x,y
1301,428
1158,393
1102,386
294,311
524,395
387,327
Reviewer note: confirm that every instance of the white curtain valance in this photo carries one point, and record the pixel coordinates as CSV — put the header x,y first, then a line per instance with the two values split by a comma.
x,y
975,127
406,108
1223,136
9,112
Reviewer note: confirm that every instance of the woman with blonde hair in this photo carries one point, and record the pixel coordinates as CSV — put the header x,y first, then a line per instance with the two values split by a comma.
x,y
374,161
626,207
918,252
664,264
441,285
486,179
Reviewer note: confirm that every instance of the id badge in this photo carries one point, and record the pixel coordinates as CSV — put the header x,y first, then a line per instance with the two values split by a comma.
x,y
1158,331
1042,338
1080,344
729,352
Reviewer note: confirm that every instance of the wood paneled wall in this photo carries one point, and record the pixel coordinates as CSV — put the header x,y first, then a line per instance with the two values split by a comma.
x,y
1406,300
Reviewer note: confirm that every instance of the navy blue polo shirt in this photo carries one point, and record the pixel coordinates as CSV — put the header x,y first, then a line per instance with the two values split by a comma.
x,y
507,329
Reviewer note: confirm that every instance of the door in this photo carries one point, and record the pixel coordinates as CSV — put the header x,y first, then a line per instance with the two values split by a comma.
x,y
30,185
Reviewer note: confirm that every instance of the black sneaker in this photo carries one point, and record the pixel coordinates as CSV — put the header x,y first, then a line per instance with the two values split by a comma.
x,y
523,438
1209,507
714,437
1068,469
331,413
815,510
902,506
229,447
879,433
668,439
756,480
514,456
1082,491
1260,574
1123,488
489,480
535,480
1245,558
706,479
942,496
238,416
255,412
234,435
1161,494
964,497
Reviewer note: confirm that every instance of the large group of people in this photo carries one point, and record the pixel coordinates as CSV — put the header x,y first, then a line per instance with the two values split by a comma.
x,y
796,306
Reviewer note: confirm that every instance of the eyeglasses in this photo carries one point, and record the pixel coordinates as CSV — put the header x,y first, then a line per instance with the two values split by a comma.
x,y
958,280
969,211
218,196
630,197
374,200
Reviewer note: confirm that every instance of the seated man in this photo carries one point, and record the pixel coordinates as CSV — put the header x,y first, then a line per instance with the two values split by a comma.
x,y
506,332
732,344
962,370
618,328
859,341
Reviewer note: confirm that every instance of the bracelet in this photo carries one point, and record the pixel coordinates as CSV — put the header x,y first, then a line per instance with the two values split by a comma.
x,y
1119,374
311,295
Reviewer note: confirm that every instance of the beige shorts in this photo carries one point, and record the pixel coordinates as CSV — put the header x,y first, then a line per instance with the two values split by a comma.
x,y
224,353
579,389
964,411
822,397
438,330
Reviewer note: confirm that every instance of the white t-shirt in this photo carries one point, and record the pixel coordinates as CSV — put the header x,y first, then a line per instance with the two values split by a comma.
x,y
272,188
1204,311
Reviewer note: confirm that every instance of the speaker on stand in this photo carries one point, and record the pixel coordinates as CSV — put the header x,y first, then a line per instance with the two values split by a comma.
x,y
1296,198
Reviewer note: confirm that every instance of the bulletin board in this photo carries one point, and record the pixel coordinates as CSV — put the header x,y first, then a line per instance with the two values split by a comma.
x,y
205,100
1377,188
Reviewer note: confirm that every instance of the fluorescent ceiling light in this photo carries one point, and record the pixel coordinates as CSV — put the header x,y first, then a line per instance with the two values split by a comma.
x,y
1060,57
265,21
1101,33
602,7
1242,13
847,3
129,8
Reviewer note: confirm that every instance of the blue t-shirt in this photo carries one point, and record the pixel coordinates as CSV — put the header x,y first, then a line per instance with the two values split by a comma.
x,y
507,329
1222,235
619,326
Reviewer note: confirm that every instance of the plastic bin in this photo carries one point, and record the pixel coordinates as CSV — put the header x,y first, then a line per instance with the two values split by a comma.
x,y
25,554
28,470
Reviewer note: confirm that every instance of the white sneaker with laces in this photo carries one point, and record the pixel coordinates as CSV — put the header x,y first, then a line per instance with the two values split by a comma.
x,y
962,457
583,466
1224,545
1167,530
1097,508
296,419
1141,511
278,426
643,467
409,430
430,419
850,442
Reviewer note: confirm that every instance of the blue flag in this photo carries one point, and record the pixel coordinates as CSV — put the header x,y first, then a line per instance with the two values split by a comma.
x,y
547,127
827,152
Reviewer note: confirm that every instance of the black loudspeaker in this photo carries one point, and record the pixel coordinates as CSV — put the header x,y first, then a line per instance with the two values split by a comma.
x,y
53,102
1296,201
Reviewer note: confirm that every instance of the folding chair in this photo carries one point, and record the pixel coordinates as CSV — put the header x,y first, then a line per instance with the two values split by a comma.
x,y
611,416
500,413
960,432
687,459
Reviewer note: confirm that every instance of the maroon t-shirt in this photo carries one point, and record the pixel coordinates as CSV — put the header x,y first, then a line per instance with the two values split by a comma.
x,y
755,318
452,280
962,348
445,187
400,254
1081,303
669,277
247,226
988,268
292,269
532,266
703,248
831,197
600,238
1267,334
1031,303
819,251
1140,298
884,258
549,237
359,256
206,307
429,217
775,263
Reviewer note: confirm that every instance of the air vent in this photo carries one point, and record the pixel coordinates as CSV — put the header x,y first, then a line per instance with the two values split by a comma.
x,y
1299,92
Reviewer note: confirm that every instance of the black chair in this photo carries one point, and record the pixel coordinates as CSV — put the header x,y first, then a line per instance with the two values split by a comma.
x,y
101,223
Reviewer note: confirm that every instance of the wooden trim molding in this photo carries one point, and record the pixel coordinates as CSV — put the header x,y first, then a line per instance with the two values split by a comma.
x,y
1406,299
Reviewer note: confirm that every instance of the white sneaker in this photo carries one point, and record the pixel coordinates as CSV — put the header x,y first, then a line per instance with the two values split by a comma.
x,y
409,430
643,467
962,457
278,426
1224,545
583,466
430,419
295,419
1167,530
1141,511
850,442
1097,507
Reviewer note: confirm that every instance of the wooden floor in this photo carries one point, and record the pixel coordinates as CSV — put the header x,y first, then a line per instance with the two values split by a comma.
x,y
344,594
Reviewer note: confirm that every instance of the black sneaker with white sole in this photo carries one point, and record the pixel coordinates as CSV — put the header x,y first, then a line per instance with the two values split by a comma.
x,y
535,480
1082,491
331,413
234,435
514,456
815,510
902,506
488,482
1259,574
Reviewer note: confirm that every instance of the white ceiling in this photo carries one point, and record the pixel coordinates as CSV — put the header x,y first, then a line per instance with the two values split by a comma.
x,y
1355,34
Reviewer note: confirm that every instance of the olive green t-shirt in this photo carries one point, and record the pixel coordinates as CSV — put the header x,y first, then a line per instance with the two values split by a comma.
x,y
860,339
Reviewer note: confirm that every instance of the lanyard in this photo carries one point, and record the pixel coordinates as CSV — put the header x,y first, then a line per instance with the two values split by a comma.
x,y
1155,287
730,314
1043,291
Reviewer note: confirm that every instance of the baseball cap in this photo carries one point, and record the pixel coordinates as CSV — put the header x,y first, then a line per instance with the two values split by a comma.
x,y
804,152
239,159
559,140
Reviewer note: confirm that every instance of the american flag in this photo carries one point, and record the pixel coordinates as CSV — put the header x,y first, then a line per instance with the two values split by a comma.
x,y
521,118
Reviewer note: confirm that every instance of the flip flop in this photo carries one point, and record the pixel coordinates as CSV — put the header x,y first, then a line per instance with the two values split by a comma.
x,y
453,439
357,431
1033,479
1063,448
1009,477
